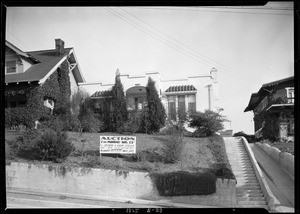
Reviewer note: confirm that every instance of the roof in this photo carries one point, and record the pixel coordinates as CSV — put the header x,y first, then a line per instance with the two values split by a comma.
x,y
102,94
47,61
182,88
265,89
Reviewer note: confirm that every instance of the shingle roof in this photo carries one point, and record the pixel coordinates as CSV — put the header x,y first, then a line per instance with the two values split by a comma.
x,y
102,94
48,59
182,88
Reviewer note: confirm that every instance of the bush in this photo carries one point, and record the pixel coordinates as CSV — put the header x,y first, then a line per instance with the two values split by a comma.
x,y
172,148
120,113
46,144
90,122
154,115
18,116
53,146
184,183
207,123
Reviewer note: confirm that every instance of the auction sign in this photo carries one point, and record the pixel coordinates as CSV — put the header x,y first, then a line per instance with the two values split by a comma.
x,y
118,144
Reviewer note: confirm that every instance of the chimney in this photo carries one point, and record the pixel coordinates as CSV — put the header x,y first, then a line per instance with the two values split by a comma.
x,y
59,47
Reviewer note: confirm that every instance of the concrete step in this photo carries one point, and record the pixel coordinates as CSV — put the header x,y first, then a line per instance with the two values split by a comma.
x,y
248,191
243,182
251,202
253,206
246,198
248,187
249,195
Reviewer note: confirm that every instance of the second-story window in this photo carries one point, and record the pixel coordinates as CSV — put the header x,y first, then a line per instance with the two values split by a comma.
x,y
11,66
290,95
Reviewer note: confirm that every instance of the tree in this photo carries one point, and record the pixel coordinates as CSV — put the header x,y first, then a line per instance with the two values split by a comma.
x,y
207,123
77,99
120,113
155,111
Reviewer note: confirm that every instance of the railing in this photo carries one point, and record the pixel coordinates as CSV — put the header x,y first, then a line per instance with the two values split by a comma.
x,y
262,105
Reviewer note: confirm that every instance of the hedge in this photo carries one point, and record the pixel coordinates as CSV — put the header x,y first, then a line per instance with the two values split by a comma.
x,y
184,183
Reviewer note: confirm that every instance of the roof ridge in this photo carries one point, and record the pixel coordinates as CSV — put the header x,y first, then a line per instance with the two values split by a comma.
x,y
45,50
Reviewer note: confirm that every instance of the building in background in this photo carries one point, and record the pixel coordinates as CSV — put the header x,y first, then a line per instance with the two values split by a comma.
x,y
195,93
273,105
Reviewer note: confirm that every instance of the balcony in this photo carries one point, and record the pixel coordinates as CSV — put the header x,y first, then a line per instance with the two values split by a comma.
x,y
267,103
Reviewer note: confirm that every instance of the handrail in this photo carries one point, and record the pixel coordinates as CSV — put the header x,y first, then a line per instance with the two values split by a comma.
x,y
270,198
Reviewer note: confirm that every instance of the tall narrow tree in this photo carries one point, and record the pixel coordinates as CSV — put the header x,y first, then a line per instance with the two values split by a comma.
x,y
155,109
120,113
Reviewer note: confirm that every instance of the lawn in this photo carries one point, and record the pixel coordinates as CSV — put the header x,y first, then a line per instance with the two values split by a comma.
x,y
197,154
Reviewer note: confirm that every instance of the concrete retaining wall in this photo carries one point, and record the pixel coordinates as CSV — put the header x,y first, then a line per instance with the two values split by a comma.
x,y
286,160
110,183
270,198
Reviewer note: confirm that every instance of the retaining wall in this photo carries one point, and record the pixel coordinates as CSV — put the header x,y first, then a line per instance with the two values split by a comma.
x,y
286,160
109,183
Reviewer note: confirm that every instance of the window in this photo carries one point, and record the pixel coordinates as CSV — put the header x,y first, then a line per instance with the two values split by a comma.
x,y
191,103
290,94
181,107
171,107
11,66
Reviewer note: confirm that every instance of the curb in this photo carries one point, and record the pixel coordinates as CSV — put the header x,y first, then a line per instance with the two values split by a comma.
x,y
163,203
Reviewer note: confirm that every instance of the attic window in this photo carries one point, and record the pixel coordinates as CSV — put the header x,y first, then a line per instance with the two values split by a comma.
x,y
11,66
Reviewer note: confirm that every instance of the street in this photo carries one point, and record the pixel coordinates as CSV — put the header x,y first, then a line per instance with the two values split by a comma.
x,y
31,199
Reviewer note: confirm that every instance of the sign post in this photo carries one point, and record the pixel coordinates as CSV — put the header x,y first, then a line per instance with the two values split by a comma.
x,y
117,145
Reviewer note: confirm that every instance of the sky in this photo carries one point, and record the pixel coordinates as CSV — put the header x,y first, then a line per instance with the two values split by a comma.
x,y
248,47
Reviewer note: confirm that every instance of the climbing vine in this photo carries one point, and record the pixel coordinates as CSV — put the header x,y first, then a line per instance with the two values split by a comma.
x,y
56,87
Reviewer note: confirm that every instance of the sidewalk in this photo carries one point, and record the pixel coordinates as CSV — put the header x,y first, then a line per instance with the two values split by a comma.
x,y
280,183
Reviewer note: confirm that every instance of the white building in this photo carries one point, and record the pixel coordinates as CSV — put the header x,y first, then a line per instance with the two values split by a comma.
x,y
192,93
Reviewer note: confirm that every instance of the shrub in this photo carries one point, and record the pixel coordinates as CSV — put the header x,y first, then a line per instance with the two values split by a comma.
x,y
24,145
52,146
45,144
154,117
120,113
184,183
18,116
207,123
90,122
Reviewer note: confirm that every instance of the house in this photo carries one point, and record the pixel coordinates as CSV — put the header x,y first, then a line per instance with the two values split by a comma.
x,y
273,108
39,79
194,93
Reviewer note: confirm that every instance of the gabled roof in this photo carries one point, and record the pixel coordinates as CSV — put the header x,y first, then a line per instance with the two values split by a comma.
x,y
182,88
265,89
47,62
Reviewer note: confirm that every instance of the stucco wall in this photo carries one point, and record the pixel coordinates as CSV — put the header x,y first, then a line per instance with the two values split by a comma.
x,y
109,183
286,160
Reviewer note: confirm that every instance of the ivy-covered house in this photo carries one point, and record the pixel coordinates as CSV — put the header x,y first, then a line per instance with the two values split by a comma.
x,y
273,108
39,83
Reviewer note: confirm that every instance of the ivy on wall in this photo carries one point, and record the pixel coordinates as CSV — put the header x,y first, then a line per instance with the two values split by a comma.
x,y
56,87
271,120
